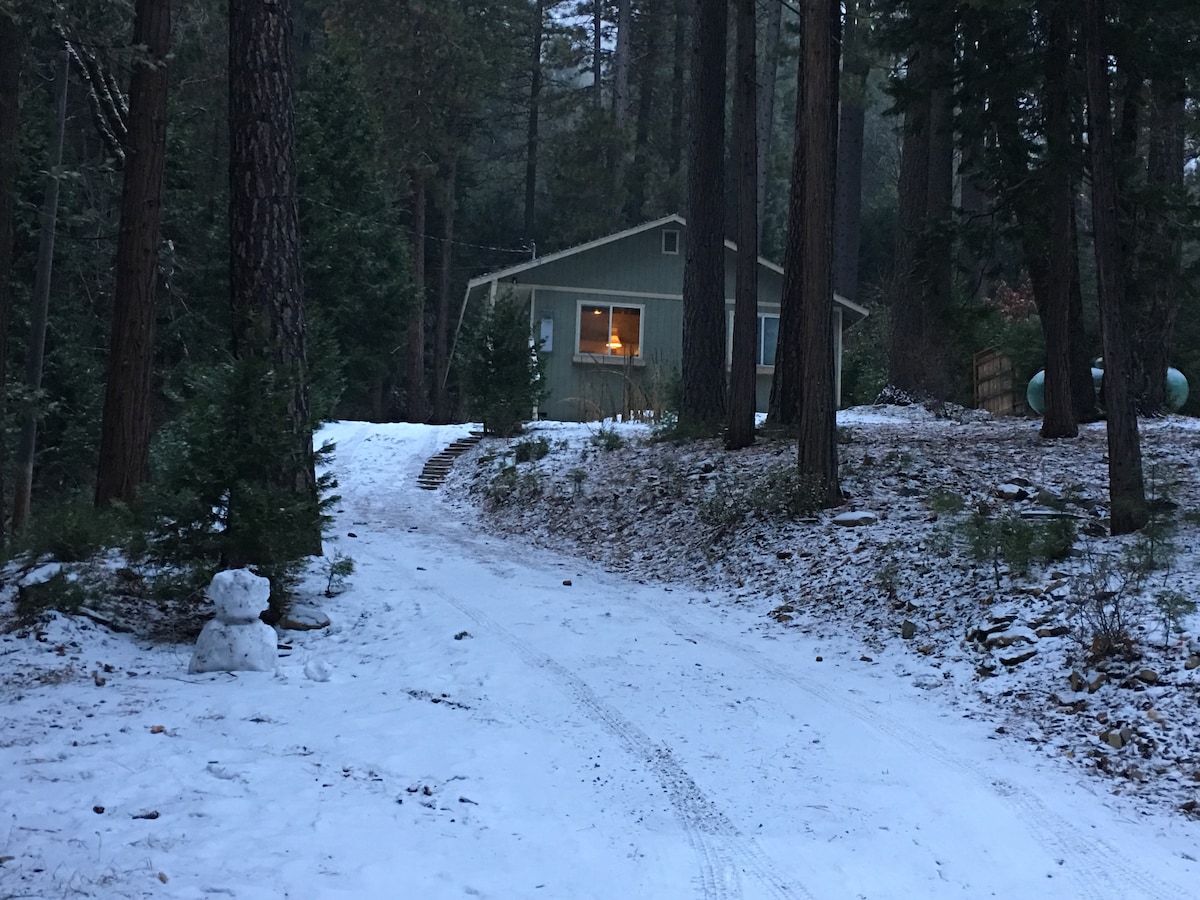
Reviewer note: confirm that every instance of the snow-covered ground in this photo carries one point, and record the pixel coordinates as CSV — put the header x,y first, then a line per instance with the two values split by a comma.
x,y
491,718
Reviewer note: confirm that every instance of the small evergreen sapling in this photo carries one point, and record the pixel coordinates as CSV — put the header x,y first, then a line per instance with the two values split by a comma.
x,y
502,373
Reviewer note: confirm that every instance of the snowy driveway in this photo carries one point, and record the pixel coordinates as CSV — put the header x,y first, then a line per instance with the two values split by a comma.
x,y
488,730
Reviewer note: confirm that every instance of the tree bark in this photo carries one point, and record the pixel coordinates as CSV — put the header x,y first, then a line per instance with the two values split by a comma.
x,y
621,65
765,125
847,218
36,348
1058,419
675,148
912,328
1126,489
740,431
125,427
417,406
647,77
921,292
702,402
266,293
11,47
531,134
816,118
441,326
1161,250
597,53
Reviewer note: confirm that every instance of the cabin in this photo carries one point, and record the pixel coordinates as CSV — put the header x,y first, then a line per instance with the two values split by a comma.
x,y
609,316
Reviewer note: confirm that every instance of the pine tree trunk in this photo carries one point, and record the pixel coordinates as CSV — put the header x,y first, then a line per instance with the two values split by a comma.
x,y
531,135
851,126
816,118
10,85
675,148
937,249
417,406
619,161
36,345
266,293
441,327
1126,491
647,77
783,409
740,432
126,423
911,325
597,53
1059,418
621,64
1162,250
765,124
702,401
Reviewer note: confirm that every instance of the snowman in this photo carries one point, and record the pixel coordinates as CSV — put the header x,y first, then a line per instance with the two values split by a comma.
x,y
236,640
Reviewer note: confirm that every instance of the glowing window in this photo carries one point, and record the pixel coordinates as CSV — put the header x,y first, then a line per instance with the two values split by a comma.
x,y
610,330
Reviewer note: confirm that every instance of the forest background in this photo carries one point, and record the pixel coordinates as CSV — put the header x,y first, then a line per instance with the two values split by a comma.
x,y
437,139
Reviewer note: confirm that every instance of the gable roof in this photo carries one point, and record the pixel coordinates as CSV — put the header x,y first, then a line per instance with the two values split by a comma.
x,y
859,311
572,251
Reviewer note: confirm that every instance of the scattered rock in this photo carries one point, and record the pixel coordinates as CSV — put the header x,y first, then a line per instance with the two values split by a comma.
x,y
1077,682
982,632
1010,491
1012,636
566,582
1113,739
855,519
1192,662
908,629
304,617
1097,683
1053,631
1149,676
1011,661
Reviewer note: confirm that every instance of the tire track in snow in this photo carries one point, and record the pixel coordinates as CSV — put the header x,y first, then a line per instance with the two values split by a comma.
x,y
1093,861
702,820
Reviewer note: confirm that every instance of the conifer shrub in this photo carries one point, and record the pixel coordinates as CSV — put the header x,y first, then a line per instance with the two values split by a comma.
x,y
530,449
217,499
72,530
502,375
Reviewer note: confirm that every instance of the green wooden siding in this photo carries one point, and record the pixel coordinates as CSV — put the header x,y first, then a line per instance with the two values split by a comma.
x,y
631,271
635,263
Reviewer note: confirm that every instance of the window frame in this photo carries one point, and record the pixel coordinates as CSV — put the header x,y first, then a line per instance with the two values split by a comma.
x,y
761,367
581,355
676,233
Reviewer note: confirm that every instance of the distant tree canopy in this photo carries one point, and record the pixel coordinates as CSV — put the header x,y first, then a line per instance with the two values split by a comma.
x,y
437,140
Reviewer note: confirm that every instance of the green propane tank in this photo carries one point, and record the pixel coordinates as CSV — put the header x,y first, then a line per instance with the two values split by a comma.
x,y
1035,393
1177,389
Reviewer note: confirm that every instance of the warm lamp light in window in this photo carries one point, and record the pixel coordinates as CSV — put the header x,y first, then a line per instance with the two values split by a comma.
x,y
615,341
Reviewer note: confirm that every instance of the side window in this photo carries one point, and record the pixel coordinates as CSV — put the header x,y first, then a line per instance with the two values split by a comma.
x,y
670,242
610,330
768,339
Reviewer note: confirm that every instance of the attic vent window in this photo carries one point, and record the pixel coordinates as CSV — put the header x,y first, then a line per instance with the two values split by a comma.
x,y
670,242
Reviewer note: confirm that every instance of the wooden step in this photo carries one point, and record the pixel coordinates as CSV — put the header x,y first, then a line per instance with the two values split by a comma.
x,y
434,472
